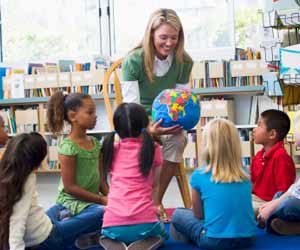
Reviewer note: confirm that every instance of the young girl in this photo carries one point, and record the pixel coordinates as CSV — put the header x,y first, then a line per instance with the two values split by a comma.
x,y
133,164
222,216
79,157
23,223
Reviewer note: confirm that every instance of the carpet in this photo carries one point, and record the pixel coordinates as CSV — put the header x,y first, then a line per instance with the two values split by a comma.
x,y
264,241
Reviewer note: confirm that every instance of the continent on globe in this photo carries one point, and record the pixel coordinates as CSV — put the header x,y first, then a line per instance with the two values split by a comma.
x,y
176,107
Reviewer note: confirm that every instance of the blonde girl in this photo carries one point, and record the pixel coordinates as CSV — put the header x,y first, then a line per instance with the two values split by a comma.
x,y
222,215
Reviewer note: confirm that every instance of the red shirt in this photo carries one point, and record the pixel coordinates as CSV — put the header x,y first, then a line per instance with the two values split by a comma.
x,y
272,172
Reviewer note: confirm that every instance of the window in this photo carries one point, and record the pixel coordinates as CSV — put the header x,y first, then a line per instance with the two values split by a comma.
x,y
49,29
208,25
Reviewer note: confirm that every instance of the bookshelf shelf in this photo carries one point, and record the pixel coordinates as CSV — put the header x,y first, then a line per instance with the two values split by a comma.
x,y
247,90
46,171
37,100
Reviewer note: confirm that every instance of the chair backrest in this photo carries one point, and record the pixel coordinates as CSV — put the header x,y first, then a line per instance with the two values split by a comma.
x,y
112,71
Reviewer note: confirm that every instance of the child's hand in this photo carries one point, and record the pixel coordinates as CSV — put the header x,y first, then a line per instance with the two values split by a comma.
x,y
266,210
103,200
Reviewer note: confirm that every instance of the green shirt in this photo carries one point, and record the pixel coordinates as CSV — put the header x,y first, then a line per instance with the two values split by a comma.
x,y
86,173
133,70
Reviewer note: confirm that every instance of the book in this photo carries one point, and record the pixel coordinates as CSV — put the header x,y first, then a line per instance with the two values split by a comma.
x,y
66,65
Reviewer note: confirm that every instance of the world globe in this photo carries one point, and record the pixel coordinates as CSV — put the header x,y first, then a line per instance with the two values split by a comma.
x,y
176,107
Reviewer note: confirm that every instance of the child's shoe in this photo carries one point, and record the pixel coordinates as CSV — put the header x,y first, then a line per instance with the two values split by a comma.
x,y
150,243
109,244
88,240
285,227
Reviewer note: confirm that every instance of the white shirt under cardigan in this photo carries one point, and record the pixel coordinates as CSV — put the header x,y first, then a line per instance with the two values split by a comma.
x,y
29,225
130,89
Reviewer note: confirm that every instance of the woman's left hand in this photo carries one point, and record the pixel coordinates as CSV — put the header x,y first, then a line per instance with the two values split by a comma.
x,y
157,129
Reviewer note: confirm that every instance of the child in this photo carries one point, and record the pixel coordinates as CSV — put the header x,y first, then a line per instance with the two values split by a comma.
x,y
23,222
272,169
79,157
282,215
133,164
222,215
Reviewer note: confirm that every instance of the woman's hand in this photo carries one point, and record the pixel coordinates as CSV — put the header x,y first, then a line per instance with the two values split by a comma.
x,y
157,129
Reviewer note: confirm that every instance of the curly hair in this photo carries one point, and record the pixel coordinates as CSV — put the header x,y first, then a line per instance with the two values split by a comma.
x,y
58,107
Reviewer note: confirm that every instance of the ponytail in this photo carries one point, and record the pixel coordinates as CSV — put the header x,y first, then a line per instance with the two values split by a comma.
x,y
56,112
147,153
108,152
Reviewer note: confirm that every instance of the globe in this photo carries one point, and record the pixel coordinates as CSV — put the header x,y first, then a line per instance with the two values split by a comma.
x,y
176,107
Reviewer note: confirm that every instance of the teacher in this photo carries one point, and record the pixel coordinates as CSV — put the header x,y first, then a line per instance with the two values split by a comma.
x,y
159,62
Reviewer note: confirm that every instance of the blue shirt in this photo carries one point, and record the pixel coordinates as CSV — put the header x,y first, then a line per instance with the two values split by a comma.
x,y
227,207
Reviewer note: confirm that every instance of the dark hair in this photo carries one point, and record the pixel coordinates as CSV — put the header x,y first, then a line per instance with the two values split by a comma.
x,y
130,120
58,107
24,153
278,120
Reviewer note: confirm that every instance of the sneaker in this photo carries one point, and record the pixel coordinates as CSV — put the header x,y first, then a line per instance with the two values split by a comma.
x,y
285,227
109,244
150,243
177,235
88,240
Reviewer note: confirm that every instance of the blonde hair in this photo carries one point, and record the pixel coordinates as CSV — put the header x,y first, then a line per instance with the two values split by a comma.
x,y
221,152
159,17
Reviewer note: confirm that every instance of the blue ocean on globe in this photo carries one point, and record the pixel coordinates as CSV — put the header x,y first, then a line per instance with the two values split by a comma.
x,y
176,107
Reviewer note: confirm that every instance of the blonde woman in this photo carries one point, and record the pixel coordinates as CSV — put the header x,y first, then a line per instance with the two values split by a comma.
x,y
222,216
159,62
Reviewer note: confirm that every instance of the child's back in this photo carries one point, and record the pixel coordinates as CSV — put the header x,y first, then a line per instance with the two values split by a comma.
x,y
130,198
222,215
227,206
133,165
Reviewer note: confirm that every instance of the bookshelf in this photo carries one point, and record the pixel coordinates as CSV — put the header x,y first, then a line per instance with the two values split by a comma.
x,y
37,105
226,90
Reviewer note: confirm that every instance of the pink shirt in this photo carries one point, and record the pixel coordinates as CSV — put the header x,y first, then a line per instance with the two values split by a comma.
x,y
130,194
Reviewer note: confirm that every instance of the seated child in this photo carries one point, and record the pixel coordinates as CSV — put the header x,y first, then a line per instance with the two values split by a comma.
x,y
222,216
272,169
133,165
282,215
82,189
24,224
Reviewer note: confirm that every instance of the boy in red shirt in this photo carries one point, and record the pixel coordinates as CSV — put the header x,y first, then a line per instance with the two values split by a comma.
x,y
272,169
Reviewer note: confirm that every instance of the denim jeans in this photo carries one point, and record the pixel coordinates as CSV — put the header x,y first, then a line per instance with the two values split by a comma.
x,y
65,231
192,229
288,209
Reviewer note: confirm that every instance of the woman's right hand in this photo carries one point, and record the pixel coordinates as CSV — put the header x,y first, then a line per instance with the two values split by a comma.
x,y
157,129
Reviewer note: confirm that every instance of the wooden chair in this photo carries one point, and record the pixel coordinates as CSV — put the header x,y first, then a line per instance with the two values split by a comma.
x,y
114,71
